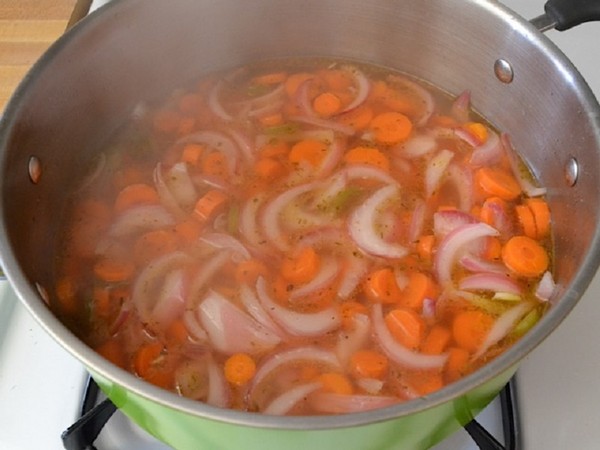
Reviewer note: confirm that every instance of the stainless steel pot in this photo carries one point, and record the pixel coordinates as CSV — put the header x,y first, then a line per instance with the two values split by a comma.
x,y
87,83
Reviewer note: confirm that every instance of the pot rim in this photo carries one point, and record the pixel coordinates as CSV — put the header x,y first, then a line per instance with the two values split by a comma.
x,y
29,295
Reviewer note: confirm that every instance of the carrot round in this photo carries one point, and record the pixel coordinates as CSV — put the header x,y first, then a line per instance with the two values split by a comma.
x,y
457,364
437,340
541,214
349,310
210,205
145,357
380,286
336,383
113,350
135,194
525,256
358,118
268,168
327,104
367,155
477,130
239,369
425,246
191,154
498,182
293,82
302,267
420,286
391,128
469,328
311,151
153,244
214,164
113,270
369,364
406,326
527,221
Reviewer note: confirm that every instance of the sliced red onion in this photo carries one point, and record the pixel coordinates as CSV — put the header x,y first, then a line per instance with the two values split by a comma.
x,y
335,152
349,342
313,354
488,153
463,182
418,146
424,94
417,221
475,264
230,330
503,325
521,175
193,326
365,172
546,287
332,403
208,269
181,186
171,299
256,310
356,269
215,105
273,213
467,136
371,386
244,144
226,241
148,286
248,220
325,123
167,198
446,221
450,247
398,352
492,281
218,142
429,309
274,96
362,225
363,88
436,168
330,269
298,324
285,402
141,218
122,316
218,389
302,98
461,107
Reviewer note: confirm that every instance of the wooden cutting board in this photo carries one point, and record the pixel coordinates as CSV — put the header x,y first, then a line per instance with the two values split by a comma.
x,y
27,29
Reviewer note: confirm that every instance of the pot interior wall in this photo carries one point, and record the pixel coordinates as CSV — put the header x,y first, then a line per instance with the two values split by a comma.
x,y
88,83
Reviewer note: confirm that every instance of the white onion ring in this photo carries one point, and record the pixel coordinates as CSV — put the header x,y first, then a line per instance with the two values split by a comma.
x,y
256,310
362,226
417,146
298,324
399,353
282,404
456,240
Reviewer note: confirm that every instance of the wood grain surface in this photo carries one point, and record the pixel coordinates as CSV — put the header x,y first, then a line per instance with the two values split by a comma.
x,y
27,29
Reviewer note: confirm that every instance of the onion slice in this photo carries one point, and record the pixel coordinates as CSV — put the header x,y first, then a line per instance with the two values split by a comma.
x,y
141,218
330,269
399,353
493,281
285,402
362,226
546,287
332,403
362,89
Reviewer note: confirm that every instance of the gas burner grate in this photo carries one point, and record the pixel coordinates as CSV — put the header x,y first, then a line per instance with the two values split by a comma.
x,y
83,433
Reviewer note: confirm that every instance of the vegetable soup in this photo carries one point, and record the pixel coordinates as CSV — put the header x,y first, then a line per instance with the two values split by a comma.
x,y
305,237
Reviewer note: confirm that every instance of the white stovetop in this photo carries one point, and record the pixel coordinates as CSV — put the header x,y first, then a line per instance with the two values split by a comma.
x,y
559,383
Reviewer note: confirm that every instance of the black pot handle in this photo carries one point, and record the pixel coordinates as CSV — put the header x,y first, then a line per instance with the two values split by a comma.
x,y
565,14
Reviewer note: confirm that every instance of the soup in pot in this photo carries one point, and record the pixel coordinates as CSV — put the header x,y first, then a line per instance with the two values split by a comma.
x,y
305,237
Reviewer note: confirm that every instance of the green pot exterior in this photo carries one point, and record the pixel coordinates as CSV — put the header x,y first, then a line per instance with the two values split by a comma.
x,y
417,431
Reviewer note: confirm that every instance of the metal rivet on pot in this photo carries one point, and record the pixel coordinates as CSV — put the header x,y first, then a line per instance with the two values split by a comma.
x,y
35,169
571,171
504,71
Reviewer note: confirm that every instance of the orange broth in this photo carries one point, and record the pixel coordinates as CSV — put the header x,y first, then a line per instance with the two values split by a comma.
x,y
305,237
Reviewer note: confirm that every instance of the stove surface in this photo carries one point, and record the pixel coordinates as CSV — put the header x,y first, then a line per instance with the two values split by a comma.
x,y
558,385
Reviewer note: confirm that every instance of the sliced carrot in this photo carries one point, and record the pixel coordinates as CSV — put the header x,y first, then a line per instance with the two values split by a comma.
x,y
135,194
477,130
369,364
294,81
358,118
162,377
327,104
469,328
367,155
215,164
239,369
381,286
271,120
302,267
113,351
457,365
66,294
498,182
210,205
113,270
525,256
492,208
191,154
274,148
526,220
248,271
425,246
153,244
541,213
268,79
336,383
492,250
437,340
188,231
336,79
269,168
311,151
145,357
391,128
178,332
420,286
406,326
425,382
349,310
